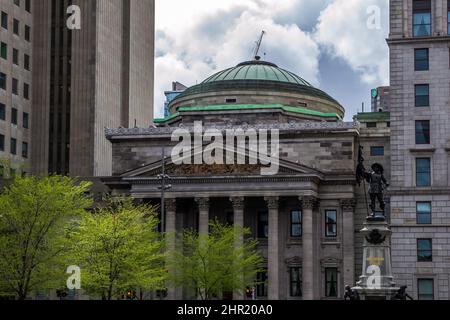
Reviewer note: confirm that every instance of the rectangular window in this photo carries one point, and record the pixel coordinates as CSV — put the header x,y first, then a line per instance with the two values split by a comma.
x,y
26,120
28,5
448,16
423,210
16,26
14,116
421,18
4,51
376,151
421,60
15,86
422,132
425,289
263,224
2,142
24,150
27,33
296,223
261,286
331,223
424,250
295,279
2,111
16,56
4,19
26,62
26,91
371,125
423,172
331,283
13,147
422,95
2,81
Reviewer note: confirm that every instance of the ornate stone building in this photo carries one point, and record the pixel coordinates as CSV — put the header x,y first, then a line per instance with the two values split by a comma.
x,y
303,216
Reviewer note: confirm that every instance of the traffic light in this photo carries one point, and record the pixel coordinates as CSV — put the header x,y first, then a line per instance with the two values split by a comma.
x,y
249,292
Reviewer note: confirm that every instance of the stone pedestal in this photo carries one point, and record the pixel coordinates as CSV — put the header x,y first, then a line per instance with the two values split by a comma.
x,y
376,281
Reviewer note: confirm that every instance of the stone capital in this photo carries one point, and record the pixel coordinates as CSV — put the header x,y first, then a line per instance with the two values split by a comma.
x,y
309,202
203,203
272,202
237,202
348,204
170,204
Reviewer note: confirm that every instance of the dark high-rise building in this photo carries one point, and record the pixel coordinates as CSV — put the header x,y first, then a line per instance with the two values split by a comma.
x,y
86,79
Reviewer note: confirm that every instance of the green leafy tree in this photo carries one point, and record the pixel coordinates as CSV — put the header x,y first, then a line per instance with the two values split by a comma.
x,y
118,249
211,264
35,214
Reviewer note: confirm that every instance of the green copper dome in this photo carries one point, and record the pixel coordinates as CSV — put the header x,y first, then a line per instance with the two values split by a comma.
x,y
259,82
257,70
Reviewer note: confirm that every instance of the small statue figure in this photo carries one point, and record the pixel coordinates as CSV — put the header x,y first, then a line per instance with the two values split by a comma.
x,y
401,294
351,294
377,182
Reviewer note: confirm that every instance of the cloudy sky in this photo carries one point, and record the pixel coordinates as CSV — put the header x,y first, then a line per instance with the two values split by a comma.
x,y
337,45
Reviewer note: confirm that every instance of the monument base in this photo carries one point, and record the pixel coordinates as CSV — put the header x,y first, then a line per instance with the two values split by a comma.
x,y
376,294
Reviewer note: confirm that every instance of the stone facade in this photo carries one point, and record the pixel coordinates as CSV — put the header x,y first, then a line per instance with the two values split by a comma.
x,y
15,129
404,192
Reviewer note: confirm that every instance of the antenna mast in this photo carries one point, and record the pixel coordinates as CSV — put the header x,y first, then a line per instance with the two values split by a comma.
x,y
258,46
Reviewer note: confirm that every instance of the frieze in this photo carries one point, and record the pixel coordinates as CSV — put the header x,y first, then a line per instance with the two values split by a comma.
x,y
297,126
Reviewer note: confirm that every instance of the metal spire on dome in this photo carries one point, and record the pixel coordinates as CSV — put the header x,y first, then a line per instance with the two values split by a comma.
x,y
258,46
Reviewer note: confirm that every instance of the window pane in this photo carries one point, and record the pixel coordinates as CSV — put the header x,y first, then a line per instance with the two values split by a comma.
x,y
4,50
376,151
424,250
422,95
425,289
422,132
421,60
331,282
4,20
2,81
423,172
2,111
422,24
330,223
296,282
2,143
423,212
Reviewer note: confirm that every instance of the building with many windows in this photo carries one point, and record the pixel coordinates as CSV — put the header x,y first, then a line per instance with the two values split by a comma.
x,y
303,214
15,84
177,89
419,42
86,79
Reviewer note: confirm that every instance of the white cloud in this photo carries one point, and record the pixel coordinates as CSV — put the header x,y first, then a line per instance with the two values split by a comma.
x,y
343,31
199,37
193,44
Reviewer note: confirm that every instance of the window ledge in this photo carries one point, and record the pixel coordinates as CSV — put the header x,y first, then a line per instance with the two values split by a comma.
x,y
423,149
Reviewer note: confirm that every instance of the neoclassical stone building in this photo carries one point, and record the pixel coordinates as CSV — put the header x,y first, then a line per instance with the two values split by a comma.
x,y
303,215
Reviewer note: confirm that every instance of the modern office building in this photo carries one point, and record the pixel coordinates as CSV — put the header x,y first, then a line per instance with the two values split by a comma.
x,y
86,79
177,89
15,84
419,44
380,100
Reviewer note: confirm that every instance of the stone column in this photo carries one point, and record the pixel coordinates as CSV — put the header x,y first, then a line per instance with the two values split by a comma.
x,y
273,249
348,240
171,212
203,215
308,204
238,218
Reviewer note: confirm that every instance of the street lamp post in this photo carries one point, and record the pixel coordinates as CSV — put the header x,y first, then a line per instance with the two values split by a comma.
x,y
163,187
